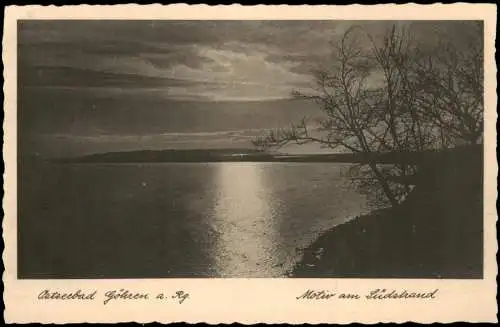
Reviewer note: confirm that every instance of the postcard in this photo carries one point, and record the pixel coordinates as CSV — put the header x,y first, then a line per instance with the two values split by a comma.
x,y
250,164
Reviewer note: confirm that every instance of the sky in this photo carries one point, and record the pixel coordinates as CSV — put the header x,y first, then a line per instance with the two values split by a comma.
x,y
97,86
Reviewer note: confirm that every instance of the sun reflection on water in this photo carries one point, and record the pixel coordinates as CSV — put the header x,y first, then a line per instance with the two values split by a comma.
x,y
247,241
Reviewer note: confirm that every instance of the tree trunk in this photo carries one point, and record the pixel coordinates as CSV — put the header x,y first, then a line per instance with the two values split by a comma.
x,y
384,183
373,166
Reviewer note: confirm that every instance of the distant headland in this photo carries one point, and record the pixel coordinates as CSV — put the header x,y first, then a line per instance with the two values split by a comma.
x,y
237,155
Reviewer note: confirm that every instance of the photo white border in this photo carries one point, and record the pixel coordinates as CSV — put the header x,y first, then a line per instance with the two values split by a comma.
x,y
261,300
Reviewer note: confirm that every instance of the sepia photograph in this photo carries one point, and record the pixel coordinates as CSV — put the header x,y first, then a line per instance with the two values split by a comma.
x,y
250,164
250,149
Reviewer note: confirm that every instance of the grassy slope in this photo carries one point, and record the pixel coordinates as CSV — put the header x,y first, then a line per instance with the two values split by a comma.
x,y
435,232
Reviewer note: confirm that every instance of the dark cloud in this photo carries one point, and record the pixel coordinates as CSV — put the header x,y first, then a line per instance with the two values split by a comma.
x,y
75,77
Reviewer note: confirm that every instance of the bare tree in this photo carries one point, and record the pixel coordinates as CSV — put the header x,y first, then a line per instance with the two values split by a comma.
x,y
449,82
390,98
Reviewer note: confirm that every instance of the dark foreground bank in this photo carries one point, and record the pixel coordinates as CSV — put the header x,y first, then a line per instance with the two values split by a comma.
x,y
437,232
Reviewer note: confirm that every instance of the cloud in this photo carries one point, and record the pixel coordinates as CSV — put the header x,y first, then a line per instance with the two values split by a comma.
x,y
214,60
208,60
211,60
78,77
230,73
